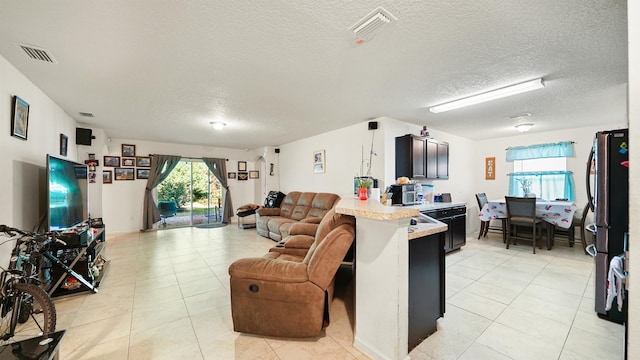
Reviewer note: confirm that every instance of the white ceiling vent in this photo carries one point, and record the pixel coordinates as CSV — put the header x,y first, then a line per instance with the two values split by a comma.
x,y
38,53
370,25
86,114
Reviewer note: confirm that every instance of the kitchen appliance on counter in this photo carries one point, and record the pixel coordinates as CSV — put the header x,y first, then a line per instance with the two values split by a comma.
x,y
610,205
405,194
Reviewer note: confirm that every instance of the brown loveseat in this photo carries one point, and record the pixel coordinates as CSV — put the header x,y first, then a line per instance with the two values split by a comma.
x,y
286,295
303,207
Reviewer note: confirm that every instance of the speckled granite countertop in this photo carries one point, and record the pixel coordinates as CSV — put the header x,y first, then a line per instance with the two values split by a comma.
x,y
372,209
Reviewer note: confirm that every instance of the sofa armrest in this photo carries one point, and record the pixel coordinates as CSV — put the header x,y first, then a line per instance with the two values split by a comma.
x,y
298,241
269,270
268,211
303,229
311,220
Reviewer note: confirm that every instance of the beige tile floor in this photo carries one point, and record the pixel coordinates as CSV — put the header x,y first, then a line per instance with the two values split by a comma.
x,y
166,296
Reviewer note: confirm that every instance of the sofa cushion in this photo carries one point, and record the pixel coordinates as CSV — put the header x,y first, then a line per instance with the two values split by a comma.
x,y
306,207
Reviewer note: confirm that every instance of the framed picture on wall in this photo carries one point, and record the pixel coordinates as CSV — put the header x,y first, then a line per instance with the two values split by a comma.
x,y
124,174
19,118
128,162
143,161
107,177
490,168
142,173
112,161
319,163
128,150
254,174
63,144
231,175
242,166
243,175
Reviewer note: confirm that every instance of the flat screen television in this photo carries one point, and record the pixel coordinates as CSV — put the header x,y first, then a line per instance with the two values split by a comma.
x,y
67,193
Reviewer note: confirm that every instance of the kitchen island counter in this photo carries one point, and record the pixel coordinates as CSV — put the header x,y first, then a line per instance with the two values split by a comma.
x,y
382,266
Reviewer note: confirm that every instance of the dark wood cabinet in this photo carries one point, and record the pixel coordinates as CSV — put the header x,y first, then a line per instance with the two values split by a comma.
x,y
456,220
418,157
410,157
426,286
437,159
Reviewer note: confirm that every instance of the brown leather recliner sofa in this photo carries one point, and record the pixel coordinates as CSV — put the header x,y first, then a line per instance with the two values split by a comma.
x,y
303,207
287,295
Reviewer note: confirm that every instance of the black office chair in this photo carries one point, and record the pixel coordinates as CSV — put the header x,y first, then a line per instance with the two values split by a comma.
x,y
167,209
522,212
485,226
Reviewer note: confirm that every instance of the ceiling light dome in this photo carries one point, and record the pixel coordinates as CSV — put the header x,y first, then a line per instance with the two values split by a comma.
x,y
524,127
217,125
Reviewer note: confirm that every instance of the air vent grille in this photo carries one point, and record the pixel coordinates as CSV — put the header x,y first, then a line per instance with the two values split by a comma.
x,y
370,25
38,53
86,114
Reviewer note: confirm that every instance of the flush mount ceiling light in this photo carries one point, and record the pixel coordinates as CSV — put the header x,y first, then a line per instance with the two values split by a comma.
x,y
490,95
524,127
217,125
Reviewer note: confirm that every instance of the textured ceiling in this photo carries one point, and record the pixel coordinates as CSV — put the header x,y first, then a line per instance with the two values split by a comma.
x,y
276,71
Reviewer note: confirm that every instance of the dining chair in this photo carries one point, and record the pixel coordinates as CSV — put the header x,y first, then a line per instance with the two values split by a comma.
x,y
485,226
578,221
522,212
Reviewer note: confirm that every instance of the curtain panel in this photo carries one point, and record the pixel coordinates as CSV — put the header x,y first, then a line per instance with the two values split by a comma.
x,y
218,168
161,167
539,151
548,185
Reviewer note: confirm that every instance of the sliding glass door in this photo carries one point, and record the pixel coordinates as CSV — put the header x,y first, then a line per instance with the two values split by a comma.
x,y
195,193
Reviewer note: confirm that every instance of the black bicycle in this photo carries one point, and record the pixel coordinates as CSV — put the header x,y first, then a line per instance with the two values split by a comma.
x,y
26,310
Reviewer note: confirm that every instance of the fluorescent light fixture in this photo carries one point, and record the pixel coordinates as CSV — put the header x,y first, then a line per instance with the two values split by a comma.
x,y
524,127
218,125
490,95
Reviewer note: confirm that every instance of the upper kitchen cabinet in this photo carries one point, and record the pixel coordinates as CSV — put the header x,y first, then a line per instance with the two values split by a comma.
x,y
437,163
411,153
418,157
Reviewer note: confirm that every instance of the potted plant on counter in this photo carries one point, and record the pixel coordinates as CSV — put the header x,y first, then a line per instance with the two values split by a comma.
x,y
363,184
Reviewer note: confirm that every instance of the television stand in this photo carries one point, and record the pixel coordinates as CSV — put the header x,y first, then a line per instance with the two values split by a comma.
x,y
72,264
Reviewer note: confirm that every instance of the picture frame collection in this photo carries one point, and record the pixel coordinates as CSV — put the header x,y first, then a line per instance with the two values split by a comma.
x,y
128,166
242,174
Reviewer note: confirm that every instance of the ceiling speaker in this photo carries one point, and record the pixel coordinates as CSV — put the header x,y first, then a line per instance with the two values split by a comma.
x,y
373,125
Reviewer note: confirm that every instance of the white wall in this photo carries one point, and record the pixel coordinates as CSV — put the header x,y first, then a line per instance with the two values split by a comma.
x,y
23,163
122,200
343,149
634,179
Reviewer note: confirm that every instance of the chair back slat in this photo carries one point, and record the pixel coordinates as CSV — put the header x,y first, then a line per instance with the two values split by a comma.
x,y
482,200
521,207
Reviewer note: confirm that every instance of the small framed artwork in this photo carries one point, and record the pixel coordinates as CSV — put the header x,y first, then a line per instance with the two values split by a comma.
x,y
128,150
20,118
490,168
112,161
143,161
142,173
92,177
124,173
242,166
107,177
92,164
243,175
128,162
231,175
254,174
92,156
63,144
319,163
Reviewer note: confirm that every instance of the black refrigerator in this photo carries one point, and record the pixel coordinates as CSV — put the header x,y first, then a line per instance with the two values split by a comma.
x,y
610,205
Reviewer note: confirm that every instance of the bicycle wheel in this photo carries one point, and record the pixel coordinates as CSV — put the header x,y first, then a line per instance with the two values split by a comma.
x,y
34,313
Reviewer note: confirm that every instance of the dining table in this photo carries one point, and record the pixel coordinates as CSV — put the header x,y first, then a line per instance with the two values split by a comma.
x,y
555,212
